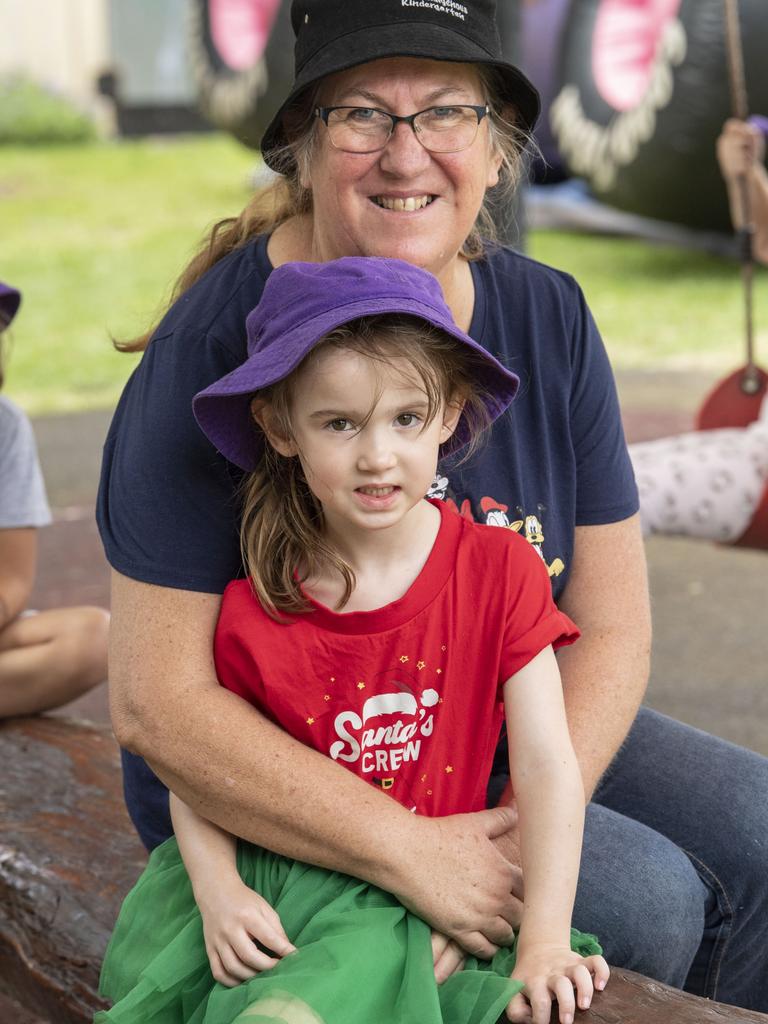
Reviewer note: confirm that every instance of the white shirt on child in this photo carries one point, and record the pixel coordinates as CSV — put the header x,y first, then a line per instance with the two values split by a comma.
x,y
23,502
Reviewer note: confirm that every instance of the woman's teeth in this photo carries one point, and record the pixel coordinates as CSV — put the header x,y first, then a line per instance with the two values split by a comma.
x,y
410,203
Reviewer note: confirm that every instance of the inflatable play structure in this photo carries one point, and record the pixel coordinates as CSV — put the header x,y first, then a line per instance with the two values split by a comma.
x,y
635,91
642,92
240,54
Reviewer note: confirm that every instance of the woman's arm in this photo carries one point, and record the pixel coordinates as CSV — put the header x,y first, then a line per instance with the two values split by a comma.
x,y
605,674
550,801
237,769
18,559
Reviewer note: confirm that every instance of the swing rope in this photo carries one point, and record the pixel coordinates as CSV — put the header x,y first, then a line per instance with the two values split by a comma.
x,y
737,400
750,380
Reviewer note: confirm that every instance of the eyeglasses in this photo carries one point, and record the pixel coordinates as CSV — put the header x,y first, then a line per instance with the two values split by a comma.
x,y
368,129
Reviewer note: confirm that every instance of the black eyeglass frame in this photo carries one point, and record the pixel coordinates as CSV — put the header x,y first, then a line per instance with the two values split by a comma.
x,y
481,110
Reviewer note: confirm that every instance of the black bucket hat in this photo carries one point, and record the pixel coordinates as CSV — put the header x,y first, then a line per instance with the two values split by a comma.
x,y
333,35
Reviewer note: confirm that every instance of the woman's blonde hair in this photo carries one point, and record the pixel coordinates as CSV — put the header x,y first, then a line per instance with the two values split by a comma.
x,y
281,533
285,196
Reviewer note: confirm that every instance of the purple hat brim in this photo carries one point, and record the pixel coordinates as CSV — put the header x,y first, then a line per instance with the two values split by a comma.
x,y
223,410
10,300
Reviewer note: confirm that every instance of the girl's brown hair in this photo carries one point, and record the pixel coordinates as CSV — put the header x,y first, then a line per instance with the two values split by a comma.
x,y
285,197
281,534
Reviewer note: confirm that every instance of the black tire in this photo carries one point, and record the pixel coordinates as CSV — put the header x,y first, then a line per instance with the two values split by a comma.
x,y
657,159
242,102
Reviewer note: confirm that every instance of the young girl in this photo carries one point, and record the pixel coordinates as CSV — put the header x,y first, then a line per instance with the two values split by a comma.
x,y
391,635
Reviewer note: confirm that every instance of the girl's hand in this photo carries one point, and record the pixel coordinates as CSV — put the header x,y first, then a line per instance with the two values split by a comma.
x,y
447,956
739,147
555,972
235,919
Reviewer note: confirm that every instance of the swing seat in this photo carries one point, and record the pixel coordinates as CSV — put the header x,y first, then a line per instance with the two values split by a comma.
x,y
727,405
756,534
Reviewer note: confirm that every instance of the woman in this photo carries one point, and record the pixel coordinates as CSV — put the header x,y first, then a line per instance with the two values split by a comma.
x,y
379,180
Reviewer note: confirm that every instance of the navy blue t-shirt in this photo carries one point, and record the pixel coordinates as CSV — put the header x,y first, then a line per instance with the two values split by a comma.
x,y
167,507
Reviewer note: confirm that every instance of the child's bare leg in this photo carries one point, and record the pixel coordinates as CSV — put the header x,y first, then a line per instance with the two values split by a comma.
x,y
286,1008
704,484
51,657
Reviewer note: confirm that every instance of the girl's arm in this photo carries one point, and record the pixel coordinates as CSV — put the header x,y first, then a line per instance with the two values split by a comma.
x,y
549,792
740,154
18,558
234,917
605,674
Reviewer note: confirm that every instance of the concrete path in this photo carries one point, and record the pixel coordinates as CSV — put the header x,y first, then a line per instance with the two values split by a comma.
x,y
710,604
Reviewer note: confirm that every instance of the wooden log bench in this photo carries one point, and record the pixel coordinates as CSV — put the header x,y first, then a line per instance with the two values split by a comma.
x,y
68,854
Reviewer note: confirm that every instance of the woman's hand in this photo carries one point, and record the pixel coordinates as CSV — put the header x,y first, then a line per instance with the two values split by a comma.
x,y
508,845
555,972
235,919
447,957
453,877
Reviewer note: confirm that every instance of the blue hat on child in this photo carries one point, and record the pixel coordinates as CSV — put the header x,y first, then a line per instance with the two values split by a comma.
x,y
10,300
301,304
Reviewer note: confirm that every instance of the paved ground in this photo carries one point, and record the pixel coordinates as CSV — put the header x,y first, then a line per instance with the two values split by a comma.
x,y
710,665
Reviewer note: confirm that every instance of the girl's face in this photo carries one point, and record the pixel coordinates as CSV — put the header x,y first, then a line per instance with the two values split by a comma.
x,y
360,434
359,199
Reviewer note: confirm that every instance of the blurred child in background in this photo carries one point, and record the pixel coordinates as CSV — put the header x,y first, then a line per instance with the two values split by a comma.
x,y
46,658
710,483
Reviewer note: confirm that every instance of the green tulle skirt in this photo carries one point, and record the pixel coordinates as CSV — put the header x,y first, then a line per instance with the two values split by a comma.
x,y
361,957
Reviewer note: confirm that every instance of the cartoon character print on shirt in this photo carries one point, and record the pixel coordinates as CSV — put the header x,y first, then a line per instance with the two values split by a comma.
x,y
384,732
496,514
438,488
529,525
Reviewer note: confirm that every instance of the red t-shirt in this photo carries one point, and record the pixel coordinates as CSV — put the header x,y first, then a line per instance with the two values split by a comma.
x,y
407,696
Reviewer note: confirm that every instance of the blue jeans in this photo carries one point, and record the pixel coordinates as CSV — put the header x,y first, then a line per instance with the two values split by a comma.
x,y
674,876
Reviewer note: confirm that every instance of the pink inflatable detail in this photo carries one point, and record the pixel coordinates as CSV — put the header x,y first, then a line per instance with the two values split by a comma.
x,y
627,33
240,30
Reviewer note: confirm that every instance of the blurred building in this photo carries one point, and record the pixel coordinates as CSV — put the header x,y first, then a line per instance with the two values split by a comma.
x,y
122,61
63,46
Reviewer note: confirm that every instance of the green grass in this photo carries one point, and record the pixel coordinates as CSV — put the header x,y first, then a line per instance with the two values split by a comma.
x,y
660,307
95,236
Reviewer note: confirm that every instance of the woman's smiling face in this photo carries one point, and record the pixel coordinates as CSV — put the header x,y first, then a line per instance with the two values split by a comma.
x,y
403,201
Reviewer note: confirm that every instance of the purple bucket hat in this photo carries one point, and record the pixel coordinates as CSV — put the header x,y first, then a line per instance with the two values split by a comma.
x,y
10,299
300,305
